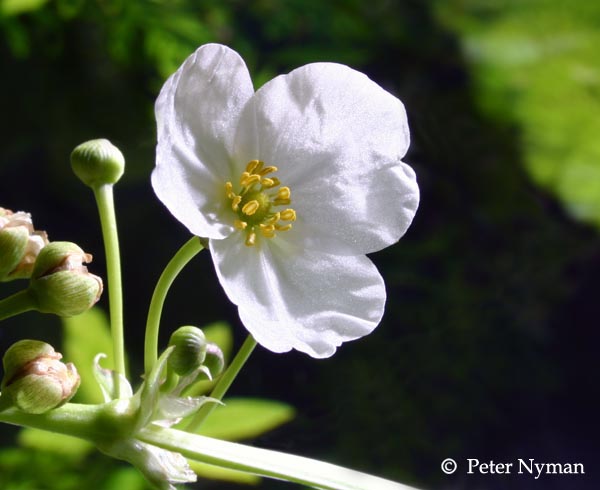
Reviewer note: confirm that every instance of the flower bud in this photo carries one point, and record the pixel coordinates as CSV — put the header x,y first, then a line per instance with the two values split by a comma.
x,y
97,162
214,361
189,352
20,244
35,380
61,284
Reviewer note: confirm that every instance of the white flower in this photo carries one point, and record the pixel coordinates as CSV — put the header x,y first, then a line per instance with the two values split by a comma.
x,y
293,184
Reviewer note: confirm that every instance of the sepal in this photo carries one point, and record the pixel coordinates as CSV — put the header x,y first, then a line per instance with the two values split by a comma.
x,y
162,468
106,380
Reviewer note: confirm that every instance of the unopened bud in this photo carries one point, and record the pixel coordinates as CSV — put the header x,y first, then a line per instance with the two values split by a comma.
x,y
35,380
189,352
97,162
214,361
20,244
61,284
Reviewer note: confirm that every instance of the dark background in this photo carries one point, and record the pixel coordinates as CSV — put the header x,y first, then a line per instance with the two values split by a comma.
x,y
488,348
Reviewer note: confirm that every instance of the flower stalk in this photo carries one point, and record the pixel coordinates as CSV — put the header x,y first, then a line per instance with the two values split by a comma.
x,y
94,422
99,165
224,383
264,462
16,304
186,253
106,208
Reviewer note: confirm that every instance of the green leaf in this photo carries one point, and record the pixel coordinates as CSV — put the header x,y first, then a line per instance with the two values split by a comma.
x,y
211,472
64,445
244,418
85,336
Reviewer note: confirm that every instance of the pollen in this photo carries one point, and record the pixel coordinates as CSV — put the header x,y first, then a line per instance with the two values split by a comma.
x,y
254,203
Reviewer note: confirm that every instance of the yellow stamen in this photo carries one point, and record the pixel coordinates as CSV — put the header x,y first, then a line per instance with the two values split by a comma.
x,y
267,230
235,202
249,180
253,165
250,207
253,203
267,182
283,227
283,193
274,218
268,170
288,215
250,239
229,190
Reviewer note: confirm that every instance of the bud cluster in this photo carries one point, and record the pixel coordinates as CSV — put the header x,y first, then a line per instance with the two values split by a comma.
x,y
59,281
35,380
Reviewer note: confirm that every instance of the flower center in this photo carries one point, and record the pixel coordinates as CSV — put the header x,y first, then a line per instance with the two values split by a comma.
x,y
259,193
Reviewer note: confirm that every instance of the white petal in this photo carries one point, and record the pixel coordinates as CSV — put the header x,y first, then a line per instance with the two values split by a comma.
x,y
197,112
337,139
293,299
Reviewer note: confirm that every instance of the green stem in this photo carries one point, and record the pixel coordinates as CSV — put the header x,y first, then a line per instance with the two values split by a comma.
x,y
108,221
264,462
189,250
16,304
224,383
91,422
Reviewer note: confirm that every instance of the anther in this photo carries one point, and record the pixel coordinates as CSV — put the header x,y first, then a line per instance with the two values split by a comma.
x,y
268,170
272,219
283,193
267,231
253,165
288,215
283,227
250,207
249,180
236,200
250,239
239,224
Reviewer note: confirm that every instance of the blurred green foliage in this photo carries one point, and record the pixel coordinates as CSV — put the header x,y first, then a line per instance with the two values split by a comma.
x,y
536,63
489,343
